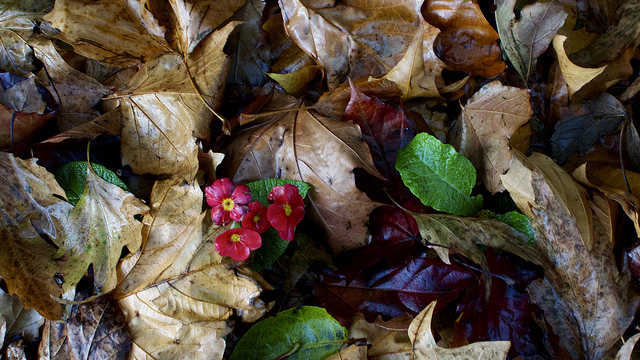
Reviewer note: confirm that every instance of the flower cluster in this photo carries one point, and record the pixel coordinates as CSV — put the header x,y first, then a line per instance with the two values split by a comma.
x,y
230,202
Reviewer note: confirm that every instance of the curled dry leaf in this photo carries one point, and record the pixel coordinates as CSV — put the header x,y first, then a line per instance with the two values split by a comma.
x,y
610,181
333,103
119,33
107,124
96,330
162,112
285,145
104,224
78,92
486,124
349,39
18,320
418,73
184,312
248,50
31,212
584,298
18,19
467,42
425,348
382,342
525,39
575,76
626,350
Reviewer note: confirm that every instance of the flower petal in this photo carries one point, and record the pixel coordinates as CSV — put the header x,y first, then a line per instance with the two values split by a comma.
x,y
277,217
241,195
238,211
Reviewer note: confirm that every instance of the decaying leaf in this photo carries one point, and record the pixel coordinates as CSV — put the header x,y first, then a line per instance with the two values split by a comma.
x,y
294,83
467,42
418,73
247,47
575,76
184,312
384,342
333,103
286,145
524,40
78,92
119,33
632,141
162,110
425,348
627,348
96,330
18,321
349,39
104,223
107,124
486,124
604,116
18,20
31,216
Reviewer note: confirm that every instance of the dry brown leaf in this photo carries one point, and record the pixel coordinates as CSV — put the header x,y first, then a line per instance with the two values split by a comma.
x,y
18,20
484,128
610,181
30,213
78,92
163,114
296,82
584,298
195,19
525,39
104,224
116,32
175,212
350,39
425,347
184,312
418,73
18,321
334,102
107,124
352,352
383,343
96,330
575,76
626,350
632,142
467,42
606,211
286,145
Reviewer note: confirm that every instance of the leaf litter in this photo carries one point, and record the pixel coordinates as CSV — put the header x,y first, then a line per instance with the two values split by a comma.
x,y
362,81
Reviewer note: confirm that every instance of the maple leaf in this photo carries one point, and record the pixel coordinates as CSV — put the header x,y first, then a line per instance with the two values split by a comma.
x,y
285,145
348,39
486,124
31,211
104,225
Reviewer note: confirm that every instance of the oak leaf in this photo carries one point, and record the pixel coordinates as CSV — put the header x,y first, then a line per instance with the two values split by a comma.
x,y
31,211
349,39
425,348
285,144
486,124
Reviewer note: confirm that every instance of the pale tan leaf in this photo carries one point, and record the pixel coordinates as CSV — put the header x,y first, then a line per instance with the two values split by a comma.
x,y
117,32
18,320
352,352
104,224
163,113
295,82
349,39
383,343
625,351
175,212
525,39
195,19
78,92
575,76
425,347
28,209
285,145
484,128
418,73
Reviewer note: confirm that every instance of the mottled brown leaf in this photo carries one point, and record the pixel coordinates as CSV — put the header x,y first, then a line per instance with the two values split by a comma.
x,y
248,49
18,320
107,124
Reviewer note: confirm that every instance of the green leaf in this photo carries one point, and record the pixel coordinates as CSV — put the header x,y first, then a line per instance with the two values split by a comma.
x,y
515,219
308,332
272,245
438,175
260,189
72,177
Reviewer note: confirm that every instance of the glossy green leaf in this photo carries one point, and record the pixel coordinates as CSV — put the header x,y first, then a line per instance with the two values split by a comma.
x,y
438,175
72,177
308,333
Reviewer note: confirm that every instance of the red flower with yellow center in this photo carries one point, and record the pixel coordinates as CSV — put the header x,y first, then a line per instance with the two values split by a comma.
x,y
256,218
237,243
286,210
228,201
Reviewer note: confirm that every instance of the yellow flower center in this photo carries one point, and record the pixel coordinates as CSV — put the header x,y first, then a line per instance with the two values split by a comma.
x,y
228,204
235,238
287,209
256,218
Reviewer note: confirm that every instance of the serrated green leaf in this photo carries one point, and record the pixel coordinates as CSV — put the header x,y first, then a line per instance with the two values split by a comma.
x,y
72,177
272,247
438,175
308,332
260,189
